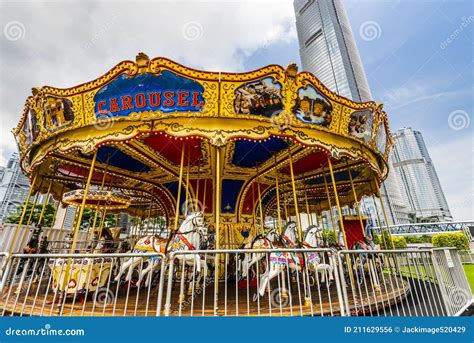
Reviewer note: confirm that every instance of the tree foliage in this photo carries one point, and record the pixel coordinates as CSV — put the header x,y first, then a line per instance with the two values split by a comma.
x,y
47,219
456,240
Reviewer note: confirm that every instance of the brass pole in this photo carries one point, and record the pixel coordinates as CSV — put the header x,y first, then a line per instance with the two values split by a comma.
x,y
180,181
148,219
55,214
341,222
380,221
63,222
102,222
262,228
333,222
254,214
33,208
84,198
295,198
356,201
310,220
23,213
197,187
97,209
218,196
278,199
188,195
217,212
204,195
46,201
316,212
384,213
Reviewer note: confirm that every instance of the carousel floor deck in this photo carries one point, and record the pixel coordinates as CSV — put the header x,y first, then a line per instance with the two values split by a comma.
x,y
231,303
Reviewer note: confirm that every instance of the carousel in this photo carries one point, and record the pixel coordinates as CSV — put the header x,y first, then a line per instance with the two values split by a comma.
x,y
226,162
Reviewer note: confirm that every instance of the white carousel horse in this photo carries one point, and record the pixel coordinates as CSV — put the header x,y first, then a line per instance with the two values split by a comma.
x,y
278,261
259,242
314,239
269,241
190,233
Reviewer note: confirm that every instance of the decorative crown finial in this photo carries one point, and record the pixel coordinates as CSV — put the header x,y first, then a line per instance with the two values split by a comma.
x,y
143,61
291,70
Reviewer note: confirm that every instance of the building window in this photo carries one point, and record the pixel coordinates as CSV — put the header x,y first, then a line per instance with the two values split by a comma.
x,y
305,7
313,37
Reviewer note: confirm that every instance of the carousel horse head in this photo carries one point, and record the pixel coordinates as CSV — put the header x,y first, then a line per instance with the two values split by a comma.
x,y
272,235
290,230
194,222
314,236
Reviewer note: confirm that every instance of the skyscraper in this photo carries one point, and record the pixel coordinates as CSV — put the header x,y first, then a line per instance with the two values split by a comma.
x,y
14,187
421,187
328,50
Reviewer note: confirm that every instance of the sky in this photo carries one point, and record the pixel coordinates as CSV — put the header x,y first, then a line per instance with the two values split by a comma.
x,y
418,57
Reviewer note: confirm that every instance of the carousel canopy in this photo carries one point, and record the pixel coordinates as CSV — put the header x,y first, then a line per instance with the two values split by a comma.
x,y
143,120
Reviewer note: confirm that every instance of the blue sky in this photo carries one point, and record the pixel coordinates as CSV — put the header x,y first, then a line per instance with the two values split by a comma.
x,y
423,80
421,67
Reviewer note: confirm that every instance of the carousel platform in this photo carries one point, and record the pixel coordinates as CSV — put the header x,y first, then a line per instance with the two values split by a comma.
x,y
233,302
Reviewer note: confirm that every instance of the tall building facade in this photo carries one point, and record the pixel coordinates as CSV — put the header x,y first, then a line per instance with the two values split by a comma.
x,y
328,50
421,187
14,187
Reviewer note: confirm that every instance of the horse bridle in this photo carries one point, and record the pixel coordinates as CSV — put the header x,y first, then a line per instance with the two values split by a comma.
x,y
175,231
295,228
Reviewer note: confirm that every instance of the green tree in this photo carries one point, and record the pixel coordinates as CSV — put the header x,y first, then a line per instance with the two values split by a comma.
x,y
385,242
89,215
456,240
46,221
330,237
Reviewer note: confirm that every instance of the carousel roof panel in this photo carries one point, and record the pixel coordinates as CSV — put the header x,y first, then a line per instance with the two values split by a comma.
x,y
250,154
173,188
76,171
172,149
250,201
338,176
313,161
230,193
115,157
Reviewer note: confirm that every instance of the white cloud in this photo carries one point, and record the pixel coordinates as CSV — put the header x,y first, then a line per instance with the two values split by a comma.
x,y
68,43
454,163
